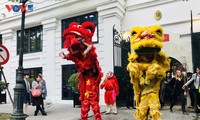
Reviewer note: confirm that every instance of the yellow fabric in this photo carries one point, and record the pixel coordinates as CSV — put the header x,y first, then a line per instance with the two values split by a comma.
x,y
87,94
88,82
148,101
145,74
136,32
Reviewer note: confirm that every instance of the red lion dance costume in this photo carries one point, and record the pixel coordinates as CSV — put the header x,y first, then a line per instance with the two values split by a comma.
x,y
78,41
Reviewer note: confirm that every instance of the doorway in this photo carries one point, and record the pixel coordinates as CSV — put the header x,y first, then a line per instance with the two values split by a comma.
x,y
67,71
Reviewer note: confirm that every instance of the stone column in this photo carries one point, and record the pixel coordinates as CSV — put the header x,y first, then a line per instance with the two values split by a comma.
x,y
48,57
109,15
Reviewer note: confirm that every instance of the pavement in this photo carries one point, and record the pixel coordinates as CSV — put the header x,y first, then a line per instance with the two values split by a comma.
x,y
67,112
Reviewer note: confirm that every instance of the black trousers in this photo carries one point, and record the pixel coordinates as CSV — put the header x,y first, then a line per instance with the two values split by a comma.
x,y
162,97
43,105
38,108
129,98
196,99
191,93
175,98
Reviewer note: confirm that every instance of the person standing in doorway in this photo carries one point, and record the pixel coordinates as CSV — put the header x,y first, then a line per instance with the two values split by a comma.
x,y
196,92
177,91
191,89
44,89
165,88
27,96
111,86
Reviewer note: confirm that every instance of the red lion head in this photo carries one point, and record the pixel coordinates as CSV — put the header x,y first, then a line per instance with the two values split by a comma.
x,y
77,33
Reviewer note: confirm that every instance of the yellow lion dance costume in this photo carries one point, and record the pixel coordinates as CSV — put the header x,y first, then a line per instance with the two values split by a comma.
x,y
147,67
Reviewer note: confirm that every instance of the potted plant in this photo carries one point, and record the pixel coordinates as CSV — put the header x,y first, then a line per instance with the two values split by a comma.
x,y
3,86
73,81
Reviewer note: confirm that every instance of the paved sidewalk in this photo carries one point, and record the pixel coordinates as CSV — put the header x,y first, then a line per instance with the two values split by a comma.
x,y
67,112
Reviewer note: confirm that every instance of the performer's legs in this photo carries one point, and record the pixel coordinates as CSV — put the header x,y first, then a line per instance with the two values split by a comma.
x,y
154,106
141,111
114,108
108,108
96,110
85,109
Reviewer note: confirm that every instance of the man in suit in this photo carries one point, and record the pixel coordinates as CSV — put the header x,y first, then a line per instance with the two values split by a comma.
x,y
27,97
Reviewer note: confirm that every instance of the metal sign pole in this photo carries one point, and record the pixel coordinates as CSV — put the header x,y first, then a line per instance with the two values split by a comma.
x,y
1,68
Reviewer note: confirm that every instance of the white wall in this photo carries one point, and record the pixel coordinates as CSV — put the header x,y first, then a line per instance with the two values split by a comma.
x,y
122,13
110,13
175,21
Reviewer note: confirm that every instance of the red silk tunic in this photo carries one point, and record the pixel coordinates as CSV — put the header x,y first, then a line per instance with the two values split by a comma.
x,y
112,90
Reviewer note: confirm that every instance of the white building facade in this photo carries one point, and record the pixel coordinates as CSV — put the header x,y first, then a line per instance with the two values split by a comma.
x,y
49,15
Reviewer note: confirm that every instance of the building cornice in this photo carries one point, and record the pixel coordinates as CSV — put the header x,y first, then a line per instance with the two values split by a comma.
x,y
40,10
59,10
50,24
180,22
115,8
7,34
148,4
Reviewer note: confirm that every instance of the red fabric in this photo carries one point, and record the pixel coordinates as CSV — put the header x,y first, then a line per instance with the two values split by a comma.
x,y
76,40
110,85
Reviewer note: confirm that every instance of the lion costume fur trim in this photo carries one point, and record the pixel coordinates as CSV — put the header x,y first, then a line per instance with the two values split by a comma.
x,y
147,67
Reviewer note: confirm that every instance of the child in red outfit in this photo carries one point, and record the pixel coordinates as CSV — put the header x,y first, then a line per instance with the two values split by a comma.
x,y
112,90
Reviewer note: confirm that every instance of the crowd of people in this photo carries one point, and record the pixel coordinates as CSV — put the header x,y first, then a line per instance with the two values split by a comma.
x,y
178,87
38,100
174,88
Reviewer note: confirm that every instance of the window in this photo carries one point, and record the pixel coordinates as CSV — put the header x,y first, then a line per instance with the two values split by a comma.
x,y
92,17
32,39
33,72
67,71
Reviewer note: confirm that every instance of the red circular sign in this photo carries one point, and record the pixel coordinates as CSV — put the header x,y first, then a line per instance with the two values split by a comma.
x,y
4,55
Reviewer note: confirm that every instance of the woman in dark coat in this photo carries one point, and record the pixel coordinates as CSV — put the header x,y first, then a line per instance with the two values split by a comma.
x,y
37,101
165,88
177,91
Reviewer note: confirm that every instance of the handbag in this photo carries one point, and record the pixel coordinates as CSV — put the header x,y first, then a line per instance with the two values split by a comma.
x,y
36,92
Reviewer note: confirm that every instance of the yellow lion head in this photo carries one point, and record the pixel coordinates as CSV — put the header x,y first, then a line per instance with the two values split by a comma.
x,y
146,39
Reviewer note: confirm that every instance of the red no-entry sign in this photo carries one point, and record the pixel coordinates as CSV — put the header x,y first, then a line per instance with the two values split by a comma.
x,y
4,55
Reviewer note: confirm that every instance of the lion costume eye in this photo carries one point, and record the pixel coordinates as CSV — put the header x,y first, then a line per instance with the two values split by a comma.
x,y
89,29
133,34
159,32
79,26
